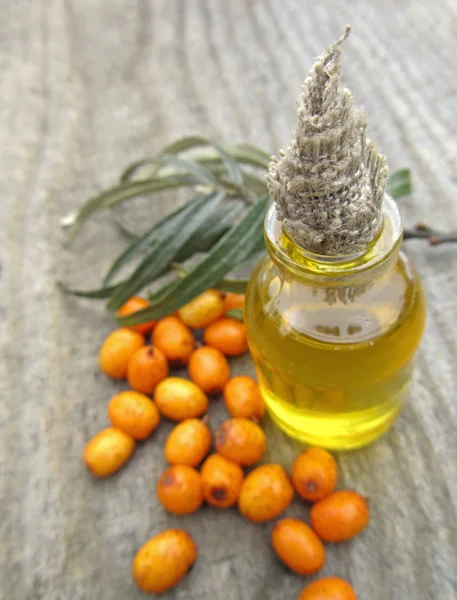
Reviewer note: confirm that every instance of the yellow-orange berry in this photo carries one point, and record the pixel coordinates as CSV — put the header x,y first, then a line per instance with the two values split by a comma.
x,y
266,492
133,305
163,561
227,335
232,301
179,490
203,310
298,546
188,443
243,398
179,399
314,474
108,451
328,588
175,339
339,516
133,413
222,480
240,440
117,350
147,367
209,369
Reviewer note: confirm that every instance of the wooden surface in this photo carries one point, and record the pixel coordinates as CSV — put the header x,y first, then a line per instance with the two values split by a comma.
x,y
87,86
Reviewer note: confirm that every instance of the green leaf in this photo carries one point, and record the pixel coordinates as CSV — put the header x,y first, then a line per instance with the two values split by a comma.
x,y
179,230
236,286
246,153
235,313
191,142
399,183
202,240
100,294
119,193
233,248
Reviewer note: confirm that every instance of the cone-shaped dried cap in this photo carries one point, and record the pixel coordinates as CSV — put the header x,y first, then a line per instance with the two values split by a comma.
x,y
329,183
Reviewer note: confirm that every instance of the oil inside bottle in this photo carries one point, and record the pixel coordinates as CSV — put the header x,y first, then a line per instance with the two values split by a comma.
x,y
334,361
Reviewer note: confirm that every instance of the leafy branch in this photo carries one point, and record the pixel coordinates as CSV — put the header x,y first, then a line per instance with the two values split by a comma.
x,y
223,221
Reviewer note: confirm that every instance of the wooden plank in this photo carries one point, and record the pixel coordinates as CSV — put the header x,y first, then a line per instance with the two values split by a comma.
x,y
88,86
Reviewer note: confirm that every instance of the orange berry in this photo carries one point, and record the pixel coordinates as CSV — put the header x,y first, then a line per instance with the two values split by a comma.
x,y
298,546
108,451
179,490
179,399
266,492
227,335
202,310
339,516
175,339
133,413
163,560
147,367
222,480
117,350
243,398
240,440
133,305
209,369
188,443
328,588
314,474
232,301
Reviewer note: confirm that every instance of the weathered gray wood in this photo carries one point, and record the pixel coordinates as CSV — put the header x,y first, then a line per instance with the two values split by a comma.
x,y
89,85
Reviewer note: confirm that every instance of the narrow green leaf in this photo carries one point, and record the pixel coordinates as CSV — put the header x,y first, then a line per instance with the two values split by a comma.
x,y
399,183
101,293
246,153
119,193
159,296
236,286
233,248
201,173
235,313
143,243
179,230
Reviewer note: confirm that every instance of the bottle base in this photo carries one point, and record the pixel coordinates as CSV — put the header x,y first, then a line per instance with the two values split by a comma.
x,y
343,431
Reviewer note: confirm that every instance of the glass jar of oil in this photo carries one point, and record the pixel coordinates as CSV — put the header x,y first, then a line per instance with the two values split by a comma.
x,y
334,339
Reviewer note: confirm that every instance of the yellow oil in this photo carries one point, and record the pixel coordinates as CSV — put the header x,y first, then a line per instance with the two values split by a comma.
x,y
334,366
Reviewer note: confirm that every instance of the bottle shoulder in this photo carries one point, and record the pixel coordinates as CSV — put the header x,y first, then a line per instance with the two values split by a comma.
x,y
332,312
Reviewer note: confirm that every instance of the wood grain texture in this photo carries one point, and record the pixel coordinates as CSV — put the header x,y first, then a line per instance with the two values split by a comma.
x,y
89,85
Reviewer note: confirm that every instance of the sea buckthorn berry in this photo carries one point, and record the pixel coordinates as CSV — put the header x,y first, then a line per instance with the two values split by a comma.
x,y
232,301
147,367
298,546
179,490
188,443
117,350
202,310
227,335
209,369
108,451
133,413
133,305
328,588
179,399
243,398
163,560
175,339
266,492
339,516
240,440
222,480
314,474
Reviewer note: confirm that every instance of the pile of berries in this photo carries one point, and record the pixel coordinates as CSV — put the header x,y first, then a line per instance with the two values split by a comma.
x,y
208,466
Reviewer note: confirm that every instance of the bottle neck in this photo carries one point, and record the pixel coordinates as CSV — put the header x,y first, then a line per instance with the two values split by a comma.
x,y
348,270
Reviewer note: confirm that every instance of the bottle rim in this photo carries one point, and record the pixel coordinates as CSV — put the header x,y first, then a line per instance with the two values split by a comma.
x,y
282,248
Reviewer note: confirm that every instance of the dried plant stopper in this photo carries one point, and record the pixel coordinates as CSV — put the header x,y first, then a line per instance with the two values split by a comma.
x,y
329,183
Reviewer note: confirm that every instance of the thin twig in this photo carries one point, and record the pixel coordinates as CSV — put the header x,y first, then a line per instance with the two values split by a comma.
x,y
434,238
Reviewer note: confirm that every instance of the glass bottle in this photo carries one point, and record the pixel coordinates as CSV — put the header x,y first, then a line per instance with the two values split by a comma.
x,y
334,339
